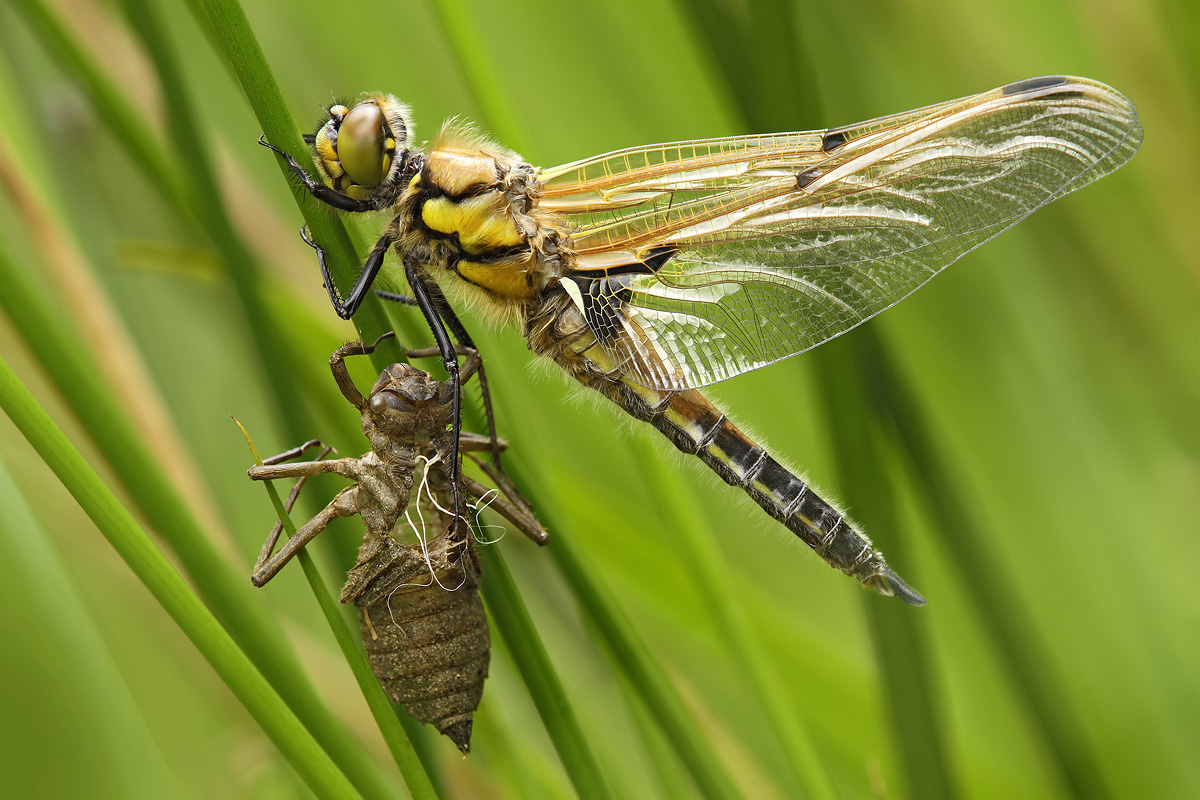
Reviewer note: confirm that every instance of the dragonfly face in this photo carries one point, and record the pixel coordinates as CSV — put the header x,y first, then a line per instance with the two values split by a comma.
x,y
362,152
650,272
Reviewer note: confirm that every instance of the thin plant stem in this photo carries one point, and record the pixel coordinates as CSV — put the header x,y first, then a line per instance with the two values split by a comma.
x,y
310,761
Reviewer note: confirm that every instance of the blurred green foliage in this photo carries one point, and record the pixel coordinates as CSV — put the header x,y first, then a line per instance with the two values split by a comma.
x,y
1056,373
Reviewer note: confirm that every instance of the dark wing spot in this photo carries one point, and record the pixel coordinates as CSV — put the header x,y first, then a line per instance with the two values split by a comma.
x,y
1033,84
606,294
832,141
807,177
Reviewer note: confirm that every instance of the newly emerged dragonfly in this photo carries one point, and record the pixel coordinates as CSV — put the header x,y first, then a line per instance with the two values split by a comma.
x,y
650,272
423,622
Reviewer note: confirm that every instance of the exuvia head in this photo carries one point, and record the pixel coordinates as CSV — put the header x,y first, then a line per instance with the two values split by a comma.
x,y
365,149
404,389
403,400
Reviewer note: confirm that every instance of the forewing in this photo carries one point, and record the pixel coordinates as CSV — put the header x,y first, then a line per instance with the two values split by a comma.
x,y
765,246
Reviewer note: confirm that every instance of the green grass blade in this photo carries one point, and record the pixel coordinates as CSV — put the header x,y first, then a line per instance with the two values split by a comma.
x,y
188,145
47,614
411,768
507,611
472,59
262,91
643,672
912,687
228,594
698,546
1005,617
127,125
153,569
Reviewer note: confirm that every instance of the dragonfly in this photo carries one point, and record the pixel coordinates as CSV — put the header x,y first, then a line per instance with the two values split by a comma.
x,y
651,272
423,621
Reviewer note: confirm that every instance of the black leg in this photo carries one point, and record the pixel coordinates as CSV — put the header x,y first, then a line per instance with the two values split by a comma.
x,y
317,189
421,293
464,338
402,299
446,312
370,269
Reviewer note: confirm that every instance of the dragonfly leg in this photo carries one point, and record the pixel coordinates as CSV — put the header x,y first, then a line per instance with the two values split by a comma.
x,y
337,363
344,505
420,288
366,276
288,455
269,472
521,517
464,338
317,189
393,297
277,528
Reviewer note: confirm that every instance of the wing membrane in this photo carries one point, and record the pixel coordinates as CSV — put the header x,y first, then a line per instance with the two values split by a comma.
x,y
781,242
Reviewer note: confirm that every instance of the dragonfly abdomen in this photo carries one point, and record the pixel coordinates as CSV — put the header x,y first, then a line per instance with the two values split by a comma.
x,y
696,426
693,424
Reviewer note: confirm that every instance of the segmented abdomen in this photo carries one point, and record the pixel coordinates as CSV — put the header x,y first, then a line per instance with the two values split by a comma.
x,y
697,427
424,628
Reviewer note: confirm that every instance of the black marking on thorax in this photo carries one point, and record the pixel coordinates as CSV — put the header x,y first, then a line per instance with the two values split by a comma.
x,y
606,292
431,190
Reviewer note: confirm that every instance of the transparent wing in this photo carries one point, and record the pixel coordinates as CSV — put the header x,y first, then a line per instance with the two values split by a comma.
x,y
711,258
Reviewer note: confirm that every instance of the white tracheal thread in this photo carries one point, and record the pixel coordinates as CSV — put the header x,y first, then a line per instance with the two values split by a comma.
x,y
480,525
421,539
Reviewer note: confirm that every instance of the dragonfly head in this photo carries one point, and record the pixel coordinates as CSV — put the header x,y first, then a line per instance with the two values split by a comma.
x,y
364,150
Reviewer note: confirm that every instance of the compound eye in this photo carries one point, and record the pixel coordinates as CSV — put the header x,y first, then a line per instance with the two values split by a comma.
x,y
387,401
361,145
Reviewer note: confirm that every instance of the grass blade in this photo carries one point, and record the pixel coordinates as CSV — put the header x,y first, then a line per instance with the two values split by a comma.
x,y
1005,617
644,674
411,768
507,611
242,50
899,633
122,758
230,596
730,616
153,569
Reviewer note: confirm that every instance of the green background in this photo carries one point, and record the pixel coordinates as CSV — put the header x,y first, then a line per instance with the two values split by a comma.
x,y
1021,437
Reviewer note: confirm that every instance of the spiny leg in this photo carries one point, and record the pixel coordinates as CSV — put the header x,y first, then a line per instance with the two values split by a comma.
x,y
269,546
450,362
345,504
366,276
288,455
525,522
506,485
464,338
317,189
337,363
